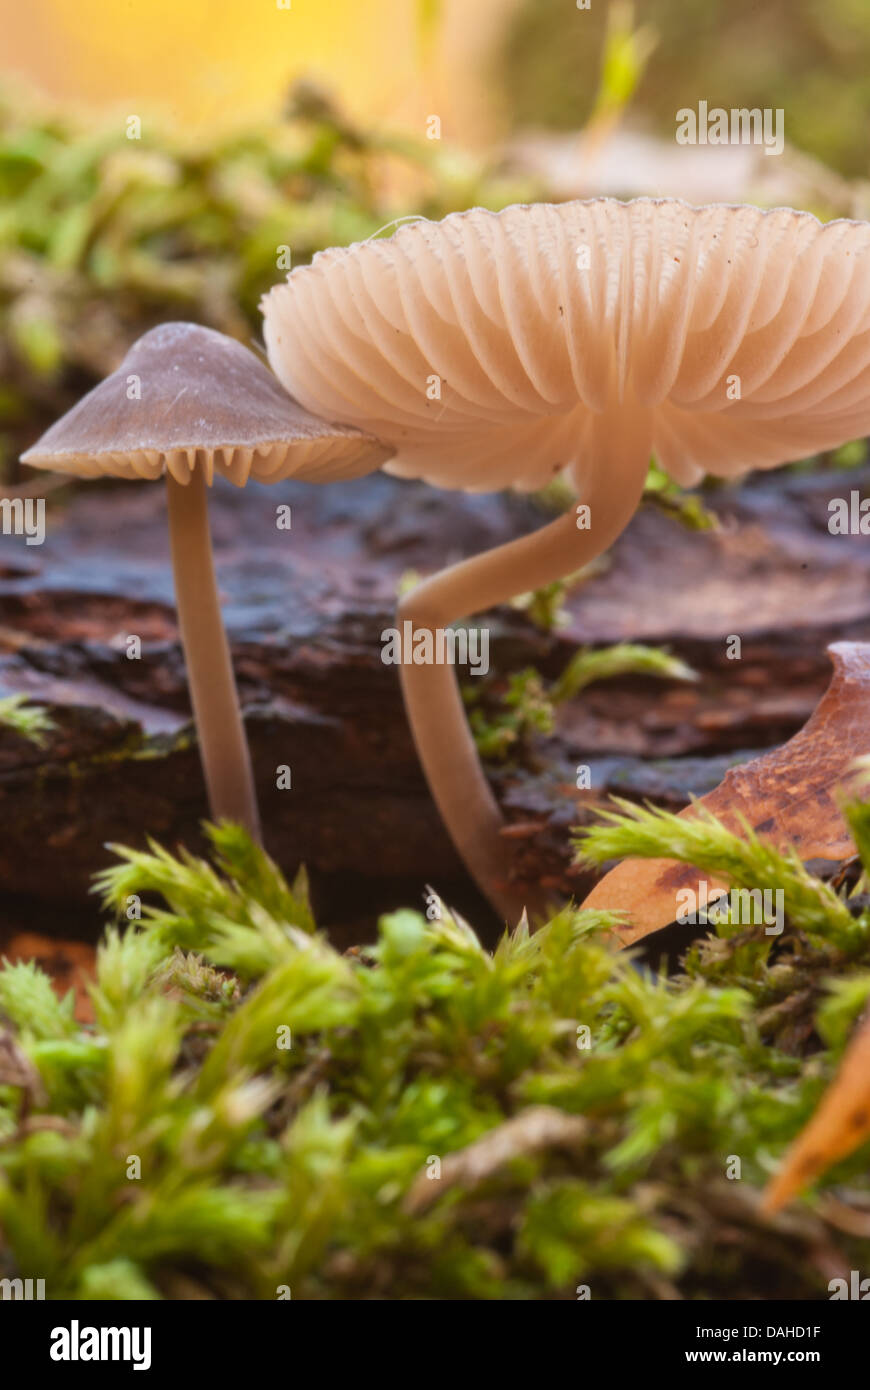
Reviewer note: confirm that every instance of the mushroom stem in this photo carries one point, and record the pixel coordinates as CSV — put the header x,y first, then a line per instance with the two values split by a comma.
x,y
432,698
223,747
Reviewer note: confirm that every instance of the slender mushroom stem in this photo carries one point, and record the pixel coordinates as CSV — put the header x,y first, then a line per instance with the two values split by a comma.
x,y
432,698
222,744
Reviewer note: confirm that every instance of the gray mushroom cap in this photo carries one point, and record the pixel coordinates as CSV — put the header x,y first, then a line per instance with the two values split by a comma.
x,y
186,397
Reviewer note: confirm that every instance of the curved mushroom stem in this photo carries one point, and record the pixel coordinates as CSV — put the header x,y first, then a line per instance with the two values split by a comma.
x,y
431,693
222,744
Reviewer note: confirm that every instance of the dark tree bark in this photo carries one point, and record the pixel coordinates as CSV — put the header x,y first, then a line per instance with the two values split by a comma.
x,y
305,609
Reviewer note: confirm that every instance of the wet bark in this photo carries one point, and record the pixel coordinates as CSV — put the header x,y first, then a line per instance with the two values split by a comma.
x,y
305,609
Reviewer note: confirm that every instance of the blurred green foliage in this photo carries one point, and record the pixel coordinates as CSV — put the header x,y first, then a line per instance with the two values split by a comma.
x,y
29,721
810,57
102,236
625,51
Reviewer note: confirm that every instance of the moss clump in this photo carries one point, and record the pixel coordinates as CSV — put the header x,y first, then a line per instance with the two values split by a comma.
x,y
503,720
28,721
253,1114
101,237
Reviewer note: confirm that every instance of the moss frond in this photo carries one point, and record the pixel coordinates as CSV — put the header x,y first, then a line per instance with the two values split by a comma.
x,y
252,1111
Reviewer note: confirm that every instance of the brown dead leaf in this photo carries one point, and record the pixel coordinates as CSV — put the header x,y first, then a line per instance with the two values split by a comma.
x,y
538,1128
789,796
69,964
841,1122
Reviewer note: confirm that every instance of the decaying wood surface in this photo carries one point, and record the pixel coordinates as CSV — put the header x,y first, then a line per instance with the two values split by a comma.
x,y
305,609
790,797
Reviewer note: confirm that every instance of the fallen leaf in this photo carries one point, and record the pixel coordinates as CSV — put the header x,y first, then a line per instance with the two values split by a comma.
x,y
841,1122
69,965
789,797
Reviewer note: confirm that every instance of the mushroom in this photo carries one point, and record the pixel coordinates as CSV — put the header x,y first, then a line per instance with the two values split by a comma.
x,y
500,349
188,402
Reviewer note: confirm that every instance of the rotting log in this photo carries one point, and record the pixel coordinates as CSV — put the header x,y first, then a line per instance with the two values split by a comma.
x,y
305,610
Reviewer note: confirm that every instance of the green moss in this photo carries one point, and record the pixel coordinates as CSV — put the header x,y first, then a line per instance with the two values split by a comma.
x,y
253,1110
120,235
503,720
135,746
29,721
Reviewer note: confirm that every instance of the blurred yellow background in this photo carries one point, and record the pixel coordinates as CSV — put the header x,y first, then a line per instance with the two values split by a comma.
x,y
213,63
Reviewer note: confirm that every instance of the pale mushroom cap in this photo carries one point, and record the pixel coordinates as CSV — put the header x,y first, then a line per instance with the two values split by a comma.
x,y
496,349
187,397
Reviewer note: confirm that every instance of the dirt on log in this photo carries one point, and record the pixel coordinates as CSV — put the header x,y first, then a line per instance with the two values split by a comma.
x,y
305,608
